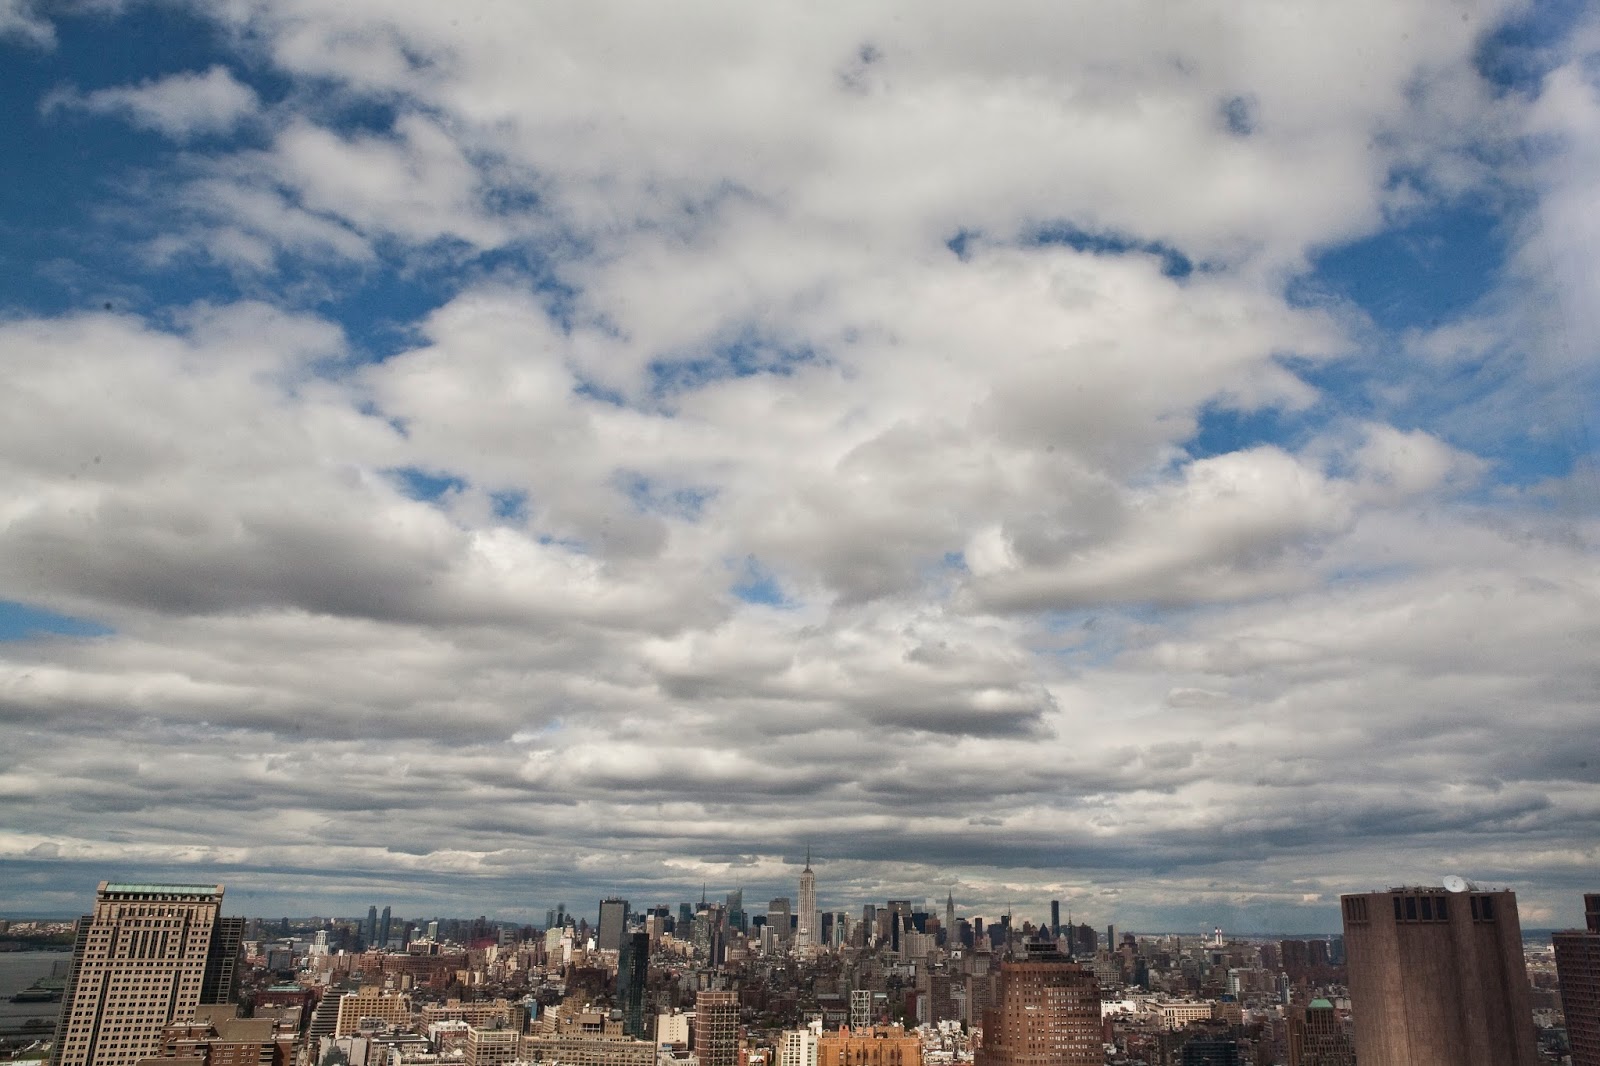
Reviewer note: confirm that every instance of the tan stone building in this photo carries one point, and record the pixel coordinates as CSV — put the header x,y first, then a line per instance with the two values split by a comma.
x,y
873,1046
221,1039
492,1047
148,955
377,1004
486,1013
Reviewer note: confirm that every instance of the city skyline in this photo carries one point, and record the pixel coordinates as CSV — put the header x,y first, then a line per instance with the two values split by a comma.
x,y
1130,455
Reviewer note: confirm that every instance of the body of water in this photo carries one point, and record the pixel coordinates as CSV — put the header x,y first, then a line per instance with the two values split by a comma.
x,y
19,970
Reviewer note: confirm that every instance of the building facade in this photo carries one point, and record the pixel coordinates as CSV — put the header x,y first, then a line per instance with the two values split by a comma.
x,y
716,1028
873,1046
613,924
148,955
1578,967
633,974
1047,1013
492,1047
778,921
1438,977
383,1006
798,1047
1317,1036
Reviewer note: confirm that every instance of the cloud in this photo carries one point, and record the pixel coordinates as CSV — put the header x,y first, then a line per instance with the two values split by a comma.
x,y
19,19
180,106
802,427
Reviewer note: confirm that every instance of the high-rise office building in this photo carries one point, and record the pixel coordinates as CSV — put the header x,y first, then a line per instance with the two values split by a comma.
x,y
149,954
633,972
899,916
384,929
1055,917
1046,1013
806,936
778,920
952,938
613,923
1438,977
370,932
1578,967
716,1028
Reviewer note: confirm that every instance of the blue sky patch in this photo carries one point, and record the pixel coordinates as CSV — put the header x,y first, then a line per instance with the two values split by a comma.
x,y
1223,429
746,355
759,585
21,621
1174,264
1416,275
426,485
510,505
1516,55
653,497
1239,115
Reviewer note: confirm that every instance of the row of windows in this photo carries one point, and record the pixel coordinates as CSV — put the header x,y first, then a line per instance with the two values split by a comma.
x,y
1423,908
1420,907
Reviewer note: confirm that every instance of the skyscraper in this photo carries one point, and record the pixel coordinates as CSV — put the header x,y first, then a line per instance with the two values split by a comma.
x,y
370,934
1055,917
806,934
613,923
952,936
633,972
383,929
716,1028
149,954
1047,1013
778,919
1438,977
1578,967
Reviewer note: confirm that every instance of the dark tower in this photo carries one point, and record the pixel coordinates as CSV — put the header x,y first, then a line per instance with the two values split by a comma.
x,y
1578,968
1438,977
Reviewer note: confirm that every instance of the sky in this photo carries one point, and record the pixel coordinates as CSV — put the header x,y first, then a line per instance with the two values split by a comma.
x,y
473,457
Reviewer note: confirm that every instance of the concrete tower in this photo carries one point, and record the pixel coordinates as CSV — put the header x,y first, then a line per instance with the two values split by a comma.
x,y
1438,977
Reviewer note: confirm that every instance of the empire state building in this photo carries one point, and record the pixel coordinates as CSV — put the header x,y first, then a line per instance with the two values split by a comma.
x,y
806,933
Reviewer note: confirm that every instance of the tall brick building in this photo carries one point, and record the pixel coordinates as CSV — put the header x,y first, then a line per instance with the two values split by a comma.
x,y
1047,1013
1578,966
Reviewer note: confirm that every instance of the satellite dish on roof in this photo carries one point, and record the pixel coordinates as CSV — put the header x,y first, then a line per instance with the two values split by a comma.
x,y
1454,883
